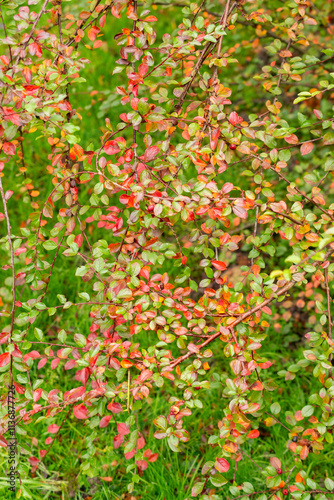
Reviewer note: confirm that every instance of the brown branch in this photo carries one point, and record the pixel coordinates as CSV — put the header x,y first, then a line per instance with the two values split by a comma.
x,y
5,30
248,313
278,421
288,217
58,431
41,12
9,234
241,318
301,192
328,311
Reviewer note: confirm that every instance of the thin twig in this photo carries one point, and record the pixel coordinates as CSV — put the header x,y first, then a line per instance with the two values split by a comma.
x,y
9,233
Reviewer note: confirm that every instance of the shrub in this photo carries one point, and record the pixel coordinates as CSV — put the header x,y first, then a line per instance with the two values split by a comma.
x,y
195,235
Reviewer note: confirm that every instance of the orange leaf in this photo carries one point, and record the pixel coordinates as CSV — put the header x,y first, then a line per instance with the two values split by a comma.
x,y
253,434
304,452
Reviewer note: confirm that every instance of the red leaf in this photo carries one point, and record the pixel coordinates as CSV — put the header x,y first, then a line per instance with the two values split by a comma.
x,y
123,429
80,412
8,148
227,187
130,454
4,359
115,407
218,264
34,49
118,440
20,250
306,148
143,69
54,363
291,139
253,434
53,428
235,118
151,153
114,363
79,240
41,363
74,393
3,441
92,32
222,465
240,212
111,148
37,394
104,421
82,375
142,464
8,194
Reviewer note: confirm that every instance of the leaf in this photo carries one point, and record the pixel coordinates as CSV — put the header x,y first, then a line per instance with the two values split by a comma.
x,y
49,245
80,412
115,407
304,452
275,462
80,339
253,434
307,411
235,118
291,139
123,429
104,421
197,489
8,148
74,394
218,480
111,148
275,408
220,265
161,422
329,483
227,187
8,194
222,465
306,148
328,138
151,153
4,359
239,212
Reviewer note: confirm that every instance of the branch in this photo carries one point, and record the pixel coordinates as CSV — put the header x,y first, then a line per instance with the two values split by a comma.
x,y
247,314
13,273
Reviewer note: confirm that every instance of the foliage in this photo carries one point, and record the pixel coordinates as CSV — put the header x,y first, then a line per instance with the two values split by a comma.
x,y
181,251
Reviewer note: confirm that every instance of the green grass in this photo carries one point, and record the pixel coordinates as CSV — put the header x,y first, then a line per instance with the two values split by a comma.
x,y
172,476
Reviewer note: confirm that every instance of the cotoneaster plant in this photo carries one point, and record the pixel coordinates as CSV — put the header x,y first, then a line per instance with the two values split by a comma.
x,y
190,234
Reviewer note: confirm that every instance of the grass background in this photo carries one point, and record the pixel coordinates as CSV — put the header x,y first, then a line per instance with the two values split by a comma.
x,y
173,474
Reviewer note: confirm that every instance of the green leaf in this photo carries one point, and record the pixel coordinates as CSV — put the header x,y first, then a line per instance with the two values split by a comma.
x,y
80,340
307,411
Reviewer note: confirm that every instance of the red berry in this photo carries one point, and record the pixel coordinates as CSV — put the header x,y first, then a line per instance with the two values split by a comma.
x,y
285,492
279,471
150,208
233,146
